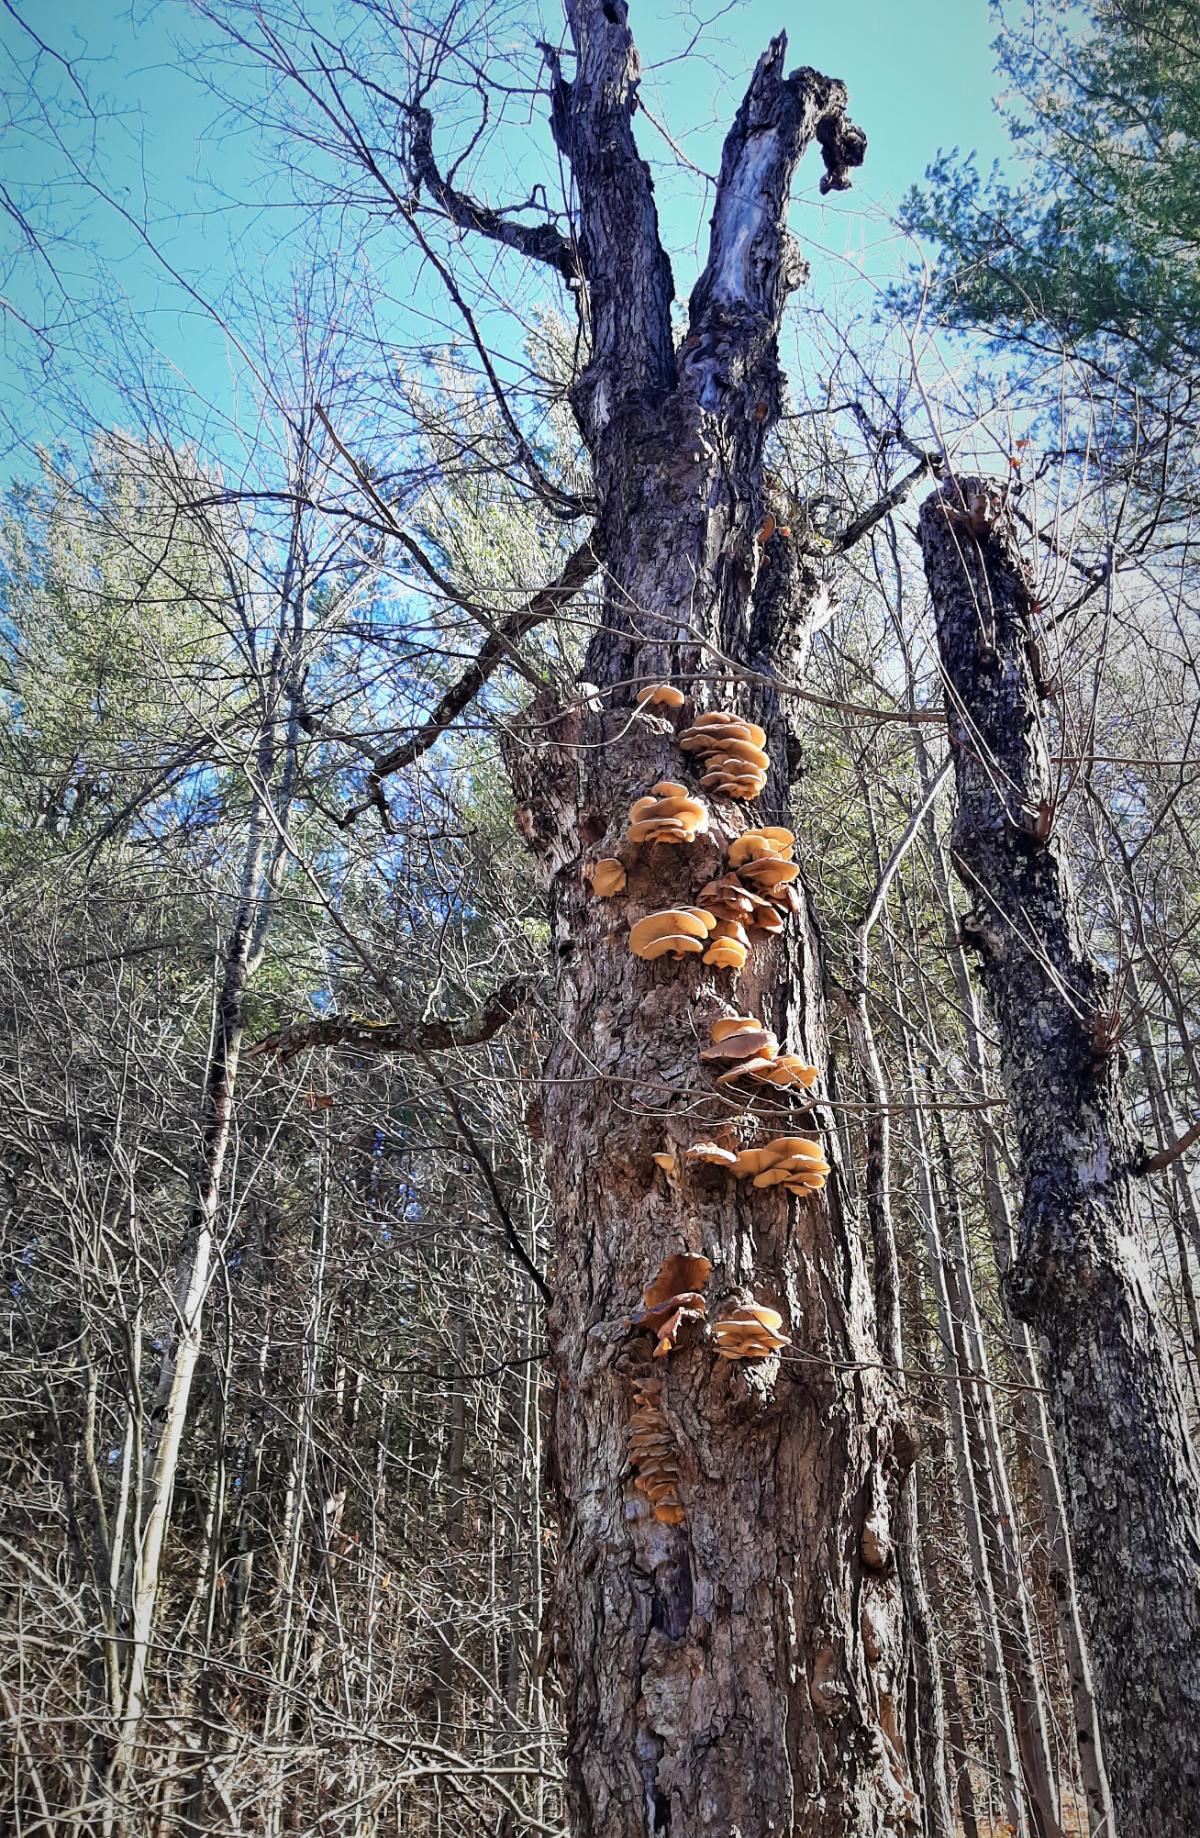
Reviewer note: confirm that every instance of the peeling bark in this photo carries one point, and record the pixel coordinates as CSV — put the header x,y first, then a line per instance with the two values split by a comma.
x,y
1079,1276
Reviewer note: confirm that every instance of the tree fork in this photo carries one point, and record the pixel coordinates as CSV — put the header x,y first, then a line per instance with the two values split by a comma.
x,y
1078,1277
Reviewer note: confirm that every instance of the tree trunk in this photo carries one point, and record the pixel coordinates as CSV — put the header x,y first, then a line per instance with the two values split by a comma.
x,y
926,1710
999,1713
1029,1404
164,1438
1078,1277
743,1670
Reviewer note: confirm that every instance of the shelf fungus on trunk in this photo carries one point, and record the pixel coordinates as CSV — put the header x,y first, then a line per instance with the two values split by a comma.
x,y
607,877
796,1163
744,1043
711,1154
734,751
654,1453
729,947
753,1052
749,1331
668,813
676,931
764,863
729,899
789,1070
673,1298
660,695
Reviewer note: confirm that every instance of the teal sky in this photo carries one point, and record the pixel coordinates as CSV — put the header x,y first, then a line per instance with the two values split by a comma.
x,y
226,234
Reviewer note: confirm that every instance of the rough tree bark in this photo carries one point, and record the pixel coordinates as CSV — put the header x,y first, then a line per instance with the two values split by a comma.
x,y
1079,1277
741,1671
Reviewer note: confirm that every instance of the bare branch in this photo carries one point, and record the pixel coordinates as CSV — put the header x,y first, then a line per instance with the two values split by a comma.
x,y
539,242
356,1035
1154,1164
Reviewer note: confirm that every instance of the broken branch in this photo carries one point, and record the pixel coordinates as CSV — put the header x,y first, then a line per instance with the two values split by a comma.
x,y
361,1036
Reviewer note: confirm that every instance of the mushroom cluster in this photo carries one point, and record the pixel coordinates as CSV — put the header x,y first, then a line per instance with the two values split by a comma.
x,y
749,1332
729,947
673,1298
795,1162
607,877
728,899
676,931
669,813
734,753
660,695
752,1051
655,1453
764,864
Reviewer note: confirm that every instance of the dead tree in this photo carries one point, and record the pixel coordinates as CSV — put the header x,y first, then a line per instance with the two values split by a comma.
x,y
1078,1277
738,1668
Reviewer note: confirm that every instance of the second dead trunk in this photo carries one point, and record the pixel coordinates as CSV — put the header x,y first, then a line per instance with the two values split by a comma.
x,y
1079,1276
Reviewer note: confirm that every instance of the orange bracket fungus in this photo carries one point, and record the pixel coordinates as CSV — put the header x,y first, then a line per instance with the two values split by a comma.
x,y
763,859
607,877
789,1069
795,1162
655,1453
677,931
728,899
733,749
772,839
673,1298
753,1052
729,947
749,1332
660,695
664,1160
669,813
711,1152
744,1042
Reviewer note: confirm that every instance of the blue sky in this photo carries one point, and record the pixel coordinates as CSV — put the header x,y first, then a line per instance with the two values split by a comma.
x,y
220,215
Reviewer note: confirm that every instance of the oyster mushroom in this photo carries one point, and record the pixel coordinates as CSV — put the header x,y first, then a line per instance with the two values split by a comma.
x,y
669,813
660,695
749,1332
711,1152
729,947
733,749
607,877
676,931
654,1452
673,1298
795,1162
